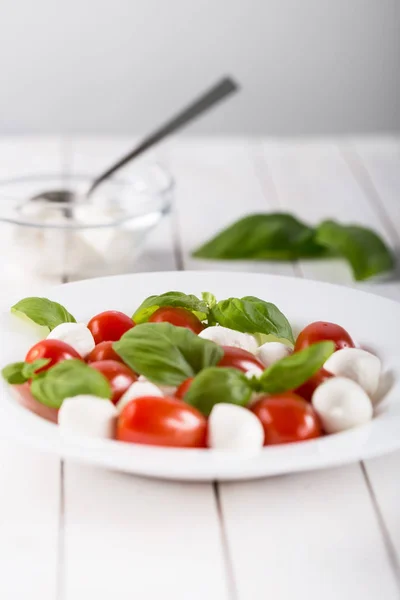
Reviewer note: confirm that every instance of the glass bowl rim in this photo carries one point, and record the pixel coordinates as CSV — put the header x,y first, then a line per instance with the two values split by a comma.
x,y
161,195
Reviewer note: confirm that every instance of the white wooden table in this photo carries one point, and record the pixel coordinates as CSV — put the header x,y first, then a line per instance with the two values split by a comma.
x,y
71,532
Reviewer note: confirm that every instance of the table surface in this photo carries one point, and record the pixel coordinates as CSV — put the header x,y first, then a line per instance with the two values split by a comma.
x,y
72,532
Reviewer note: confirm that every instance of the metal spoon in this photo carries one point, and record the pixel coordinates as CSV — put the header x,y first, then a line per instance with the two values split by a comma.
x,y
214,95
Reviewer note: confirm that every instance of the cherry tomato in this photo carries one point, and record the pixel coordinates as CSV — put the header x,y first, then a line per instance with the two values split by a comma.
x,y
308,388
287,418
109,326
239,359
320,331
103,351
177,316
183,388
162,422
55,350
120,376
25,398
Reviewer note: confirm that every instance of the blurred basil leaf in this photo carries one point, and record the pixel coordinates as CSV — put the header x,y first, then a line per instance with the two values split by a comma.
x,y
366,252
275,236
20,372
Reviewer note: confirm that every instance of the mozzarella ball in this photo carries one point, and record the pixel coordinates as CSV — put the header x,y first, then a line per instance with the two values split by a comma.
x,y
76,335
88,415
232,427
166,390
254,371
359,365
229,337
341,404
270,352
138,390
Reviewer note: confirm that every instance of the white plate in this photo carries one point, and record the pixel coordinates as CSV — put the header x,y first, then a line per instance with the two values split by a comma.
x,y
374,322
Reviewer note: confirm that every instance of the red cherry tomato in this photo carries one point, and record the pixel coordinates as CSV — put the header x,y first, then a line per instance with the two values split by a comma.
x,y
308,388
320,331
55,350
177,316
120,376
239,359
183,388
109,326
287,418
162,422
25,398
103,351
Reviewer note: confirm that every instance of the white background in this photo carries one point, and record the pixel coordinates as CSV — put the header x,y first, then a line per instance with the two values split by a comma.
x,y
120,66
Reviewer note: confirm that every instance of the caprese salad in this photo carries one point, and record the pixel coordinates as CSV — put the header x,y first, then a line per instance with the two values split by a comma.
x,y
194,373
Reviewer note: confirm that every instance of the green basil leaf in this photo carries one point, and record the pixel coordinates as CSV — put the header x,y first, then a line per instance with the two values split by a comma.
x,y
175,299
252,315
20,372
209,299
13,373
29,369
166,354
218,384
275,236
294,370
366,252
67,379
43,312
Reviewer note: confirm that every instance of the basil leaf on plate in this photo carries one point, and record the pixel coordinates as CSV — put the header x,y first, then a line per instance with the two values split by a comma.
x,y
218,384
252,315
366,252
20,372
275,236
67,379
166,354
13,373
209,299
175,299
43,312
294,370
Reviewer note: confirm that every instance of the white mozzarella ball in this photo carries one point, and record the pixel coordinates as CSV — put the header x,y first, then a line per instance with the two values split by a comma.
x,y
138,390
88,415
359,365
254,371
167,390
270,352
76,335
229,337
341,404
232,427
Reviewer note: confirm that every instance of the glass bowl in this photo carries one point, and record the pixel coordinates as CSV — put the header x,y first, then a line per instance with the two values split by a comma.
x,y
83,237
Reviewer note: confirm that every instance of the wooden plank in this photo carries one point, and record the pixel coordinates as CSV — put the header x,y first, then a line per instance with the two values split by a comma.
x,y
276,549
29,520
376,165
29,480
307,535
131,536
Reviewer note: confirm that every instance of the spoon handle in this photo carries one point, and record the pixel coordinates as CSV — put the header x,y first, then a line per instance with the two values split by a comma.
x,y
217,93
